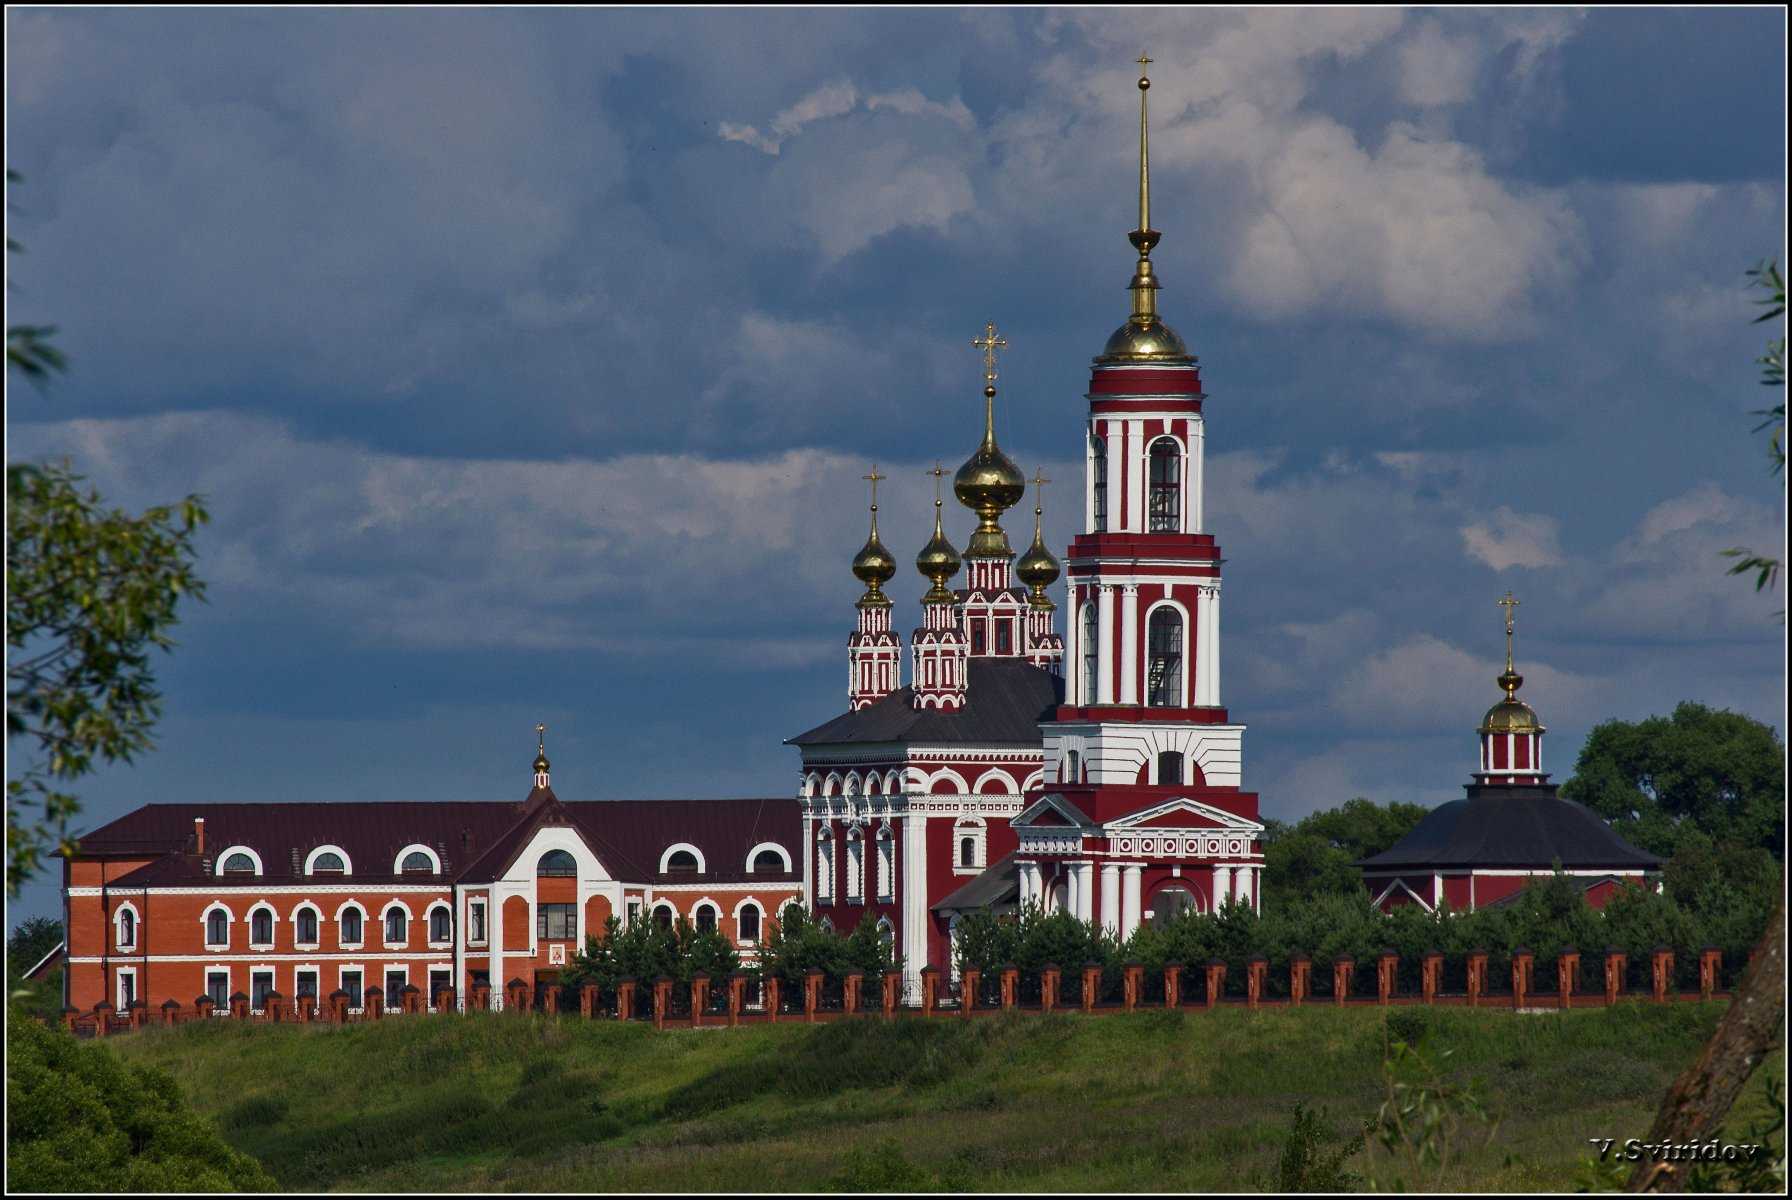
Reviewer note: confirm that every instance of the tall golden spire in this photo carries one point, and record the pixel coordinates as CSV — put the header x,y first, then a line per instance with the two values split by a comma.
x,y
1510,715
1511,679
873,564
938,560
1144,337
989,483
1037,568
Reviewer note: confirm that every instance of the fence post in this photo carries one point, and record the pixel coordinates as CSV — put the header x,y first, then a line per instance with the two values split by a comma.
x,y
699,997
1521,975
1343,975
850,992
811,992
930,989
1172,985
737,996
1048,987
772,999
482,997
892,991
1477,977
1431,975
1010,986
102,1018
170,1011
1661,973
587,1000
970,982
1133,982
305,1009
1711,961
276,1007
239,1006
69,1013
1387,968
1216,980
373,1000
1300,973
1616,967
1091,985
1567,973
662,1000
1256,975
625,998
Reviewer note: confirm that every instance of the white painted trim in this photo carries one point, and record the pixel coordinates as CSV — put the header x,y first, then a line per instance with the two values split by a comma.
x,y
428,925
205,924
362,910
781,852
1401,884
1188,657
118,942
674,848
218,862
298,908
273,924
119,1004
745,903
435,863
348,866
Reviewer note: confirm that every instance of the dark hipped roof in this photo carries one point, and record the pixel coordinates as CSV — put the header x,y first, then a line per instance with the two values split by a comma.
x,y
475,840
1511,827
1005,699
997,885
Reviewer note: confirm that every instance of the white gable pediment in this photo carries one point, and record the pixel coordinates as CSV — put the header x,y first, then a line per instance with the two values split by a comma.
x,y
1200,816
557,837
1050,811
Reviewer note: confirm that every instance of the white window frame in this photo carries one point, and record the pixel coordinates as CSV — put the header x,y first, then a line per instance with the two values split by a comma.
x,y
886,864
224,1008
273,984
653,912
205,926
666,857
390,999
225,856
435,863
977,829
775,848
429,995
119,1004
481,903
273,925
740,908
317,987
359,908
824,863
855,865
342,973
429,937
385,938
348,864
118,913
712,906
314,943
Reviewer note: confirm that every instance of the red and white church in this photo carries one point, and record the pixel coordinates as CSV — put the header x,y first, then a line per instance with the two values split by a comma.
x,y
1097,772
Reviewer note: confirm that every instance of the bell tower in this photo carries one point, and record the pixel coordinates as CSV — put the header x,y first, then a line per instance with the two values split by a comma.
x,y
939,644
874,651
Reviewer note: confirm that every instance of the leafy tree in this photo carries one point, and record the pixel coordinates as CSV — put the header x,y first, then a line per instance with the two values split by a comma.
x,y
1767,277
796,944
1710,770
29,350
30,940
90,591
1315,856
644,950
79,1120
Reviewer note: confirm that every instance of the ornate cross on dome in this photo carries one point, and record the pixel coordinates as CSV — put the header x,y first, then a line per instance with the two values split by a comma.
x,y
1039,481
1144,60
989,343
1508,604
937,472
874,477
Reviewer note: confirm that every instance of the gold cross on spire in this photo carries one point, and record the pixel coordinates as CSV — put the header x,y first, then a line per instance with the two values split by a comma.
x,y
937,472
1144,60
1508,604
1039,482
541,736
989,343
874,478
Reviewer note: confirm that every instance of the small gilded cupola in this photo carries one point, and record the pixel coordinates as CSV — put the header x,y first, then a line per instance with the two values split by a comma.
x,y
940,650
1037,568
989,483
541,756
1145,339
938,561
874,652
1511,734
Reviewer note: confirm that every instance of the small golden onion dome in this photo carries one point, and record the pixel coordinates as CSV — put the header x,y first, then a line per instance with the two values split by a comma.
x,y
989,484
938,562
874,566
1038,570
1511,715
541,749
541,763
1147,342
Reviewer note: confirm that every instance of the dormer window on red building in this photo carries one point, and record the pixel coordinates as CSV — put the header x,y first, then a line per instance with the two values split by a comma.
x,y
557,864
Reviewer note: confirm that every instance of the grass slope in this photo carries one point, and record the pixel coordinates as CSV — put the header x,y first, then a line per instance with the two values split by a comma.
x,y
1150,1101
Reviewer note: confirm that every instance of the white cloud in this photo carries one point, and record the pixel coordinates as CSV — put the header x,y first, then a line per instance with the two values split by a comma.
x,y
1436,69
837,100
1514,539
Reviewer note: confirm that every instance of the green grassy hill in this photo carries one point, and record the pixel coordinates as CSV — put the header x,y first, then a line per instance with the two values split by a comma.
x,y
1145,1102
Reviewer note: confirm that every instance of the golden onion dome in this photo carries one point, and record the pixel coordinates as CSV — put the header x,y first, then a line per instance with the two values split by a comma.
x,y
1038,569
938,562
1145,342
1511,715
541,749
874,566
989,484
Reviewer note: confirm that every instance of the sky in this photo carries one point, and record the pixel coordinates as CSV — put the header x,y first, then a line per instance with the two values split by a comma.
x,y
528,362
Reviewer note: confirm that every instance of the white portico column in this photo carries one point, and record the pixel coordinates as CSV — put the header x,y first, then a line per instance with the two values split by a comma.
x,y
1104,650
1222,886
1110,898
1129,900
1084,874
1244,877
1205,642
1129,640
914,902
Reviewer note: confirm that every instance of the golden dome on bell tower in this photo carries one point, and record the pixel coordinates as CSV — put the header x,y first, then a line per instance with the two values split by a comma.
x,y
938,560
989,483
1037,568
874,565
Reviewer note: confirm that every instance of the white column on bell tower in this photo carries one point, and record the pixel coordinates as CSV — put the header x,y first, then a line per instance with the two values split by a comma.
x,y
1129,639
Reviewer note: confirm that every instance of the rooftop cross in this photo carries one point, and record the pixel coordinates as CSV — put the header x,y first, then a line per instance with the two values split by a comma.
x,y
874,478
989,343
1039,482
1508,604
937,472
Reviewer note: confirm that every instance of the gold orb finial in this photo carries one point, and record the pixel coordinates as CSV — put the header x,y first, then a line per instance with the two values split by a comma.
x,y
874,565
1037,568
989,483
938,560
1510,715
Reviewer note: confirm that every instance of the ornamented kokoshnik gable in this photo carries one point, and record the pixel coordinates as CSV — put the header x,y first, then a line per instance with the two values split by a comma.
x,y
1511,827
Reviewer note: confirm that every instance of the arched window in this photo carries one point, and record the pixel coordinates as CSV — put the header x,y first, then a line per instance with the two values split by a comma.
x,y
706,918
440,925
967,852
855,866
681,860
1091,654
217,928
1165,503
1169,768
886,864
127,928
886,933
767,862
351,927
824,864
557,863
329,862
237,864
748,921
306,926
261,927
395,923
416,862
662,916
1073,767
1163,676
1171,903
1098,476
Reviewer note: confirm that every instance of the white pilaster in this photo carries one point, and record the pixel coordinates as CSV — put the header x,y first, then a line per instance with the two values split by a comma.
x,y
1110,898
1129,900
913,866
1244,876
1113,438
1073,649
1213,647
1129,641
1222,885
1193,489
1085,891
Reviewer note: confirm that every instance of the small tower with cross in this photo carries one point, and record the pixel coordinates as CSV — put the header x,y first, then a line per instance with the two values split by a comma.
x,y
940,677
1039,570
874,651
1511,735
993,610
